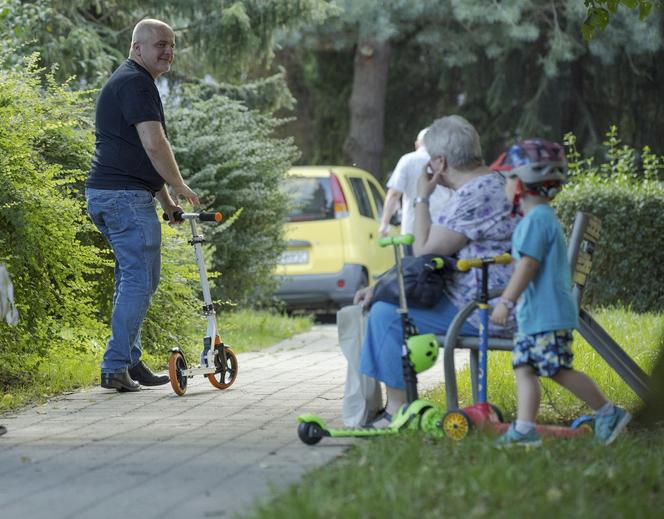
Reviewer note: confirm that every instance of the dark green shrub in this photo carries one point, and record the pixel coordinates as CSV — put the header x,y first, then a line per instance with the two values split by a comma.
x,y
629,200
229,156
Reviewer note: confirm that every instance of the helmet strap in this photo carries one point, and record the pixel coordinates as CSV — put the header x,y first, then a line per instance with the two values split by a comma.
x,y
516,201
547,189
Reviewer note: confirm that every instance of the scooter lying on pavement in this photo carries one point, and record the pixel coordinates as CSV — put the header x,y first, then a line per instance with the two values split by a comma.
x,y
217,361
418,352
482,415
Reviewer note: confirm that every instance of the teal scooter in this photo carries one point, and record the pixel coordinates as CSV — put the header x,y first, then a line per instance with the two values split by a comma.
x,y
418,353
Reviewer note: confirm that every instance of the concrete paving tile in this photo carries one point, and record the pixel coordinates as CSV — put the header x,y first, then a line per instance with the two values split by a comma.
x,y
96,453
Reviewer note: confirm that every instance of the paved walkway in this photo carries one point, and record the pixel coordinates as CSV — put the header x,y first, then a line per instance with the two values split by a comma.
x,y
152,454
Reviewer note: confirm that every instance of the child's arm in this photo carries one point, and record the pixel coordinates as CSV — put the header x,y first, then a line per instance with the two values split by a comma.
x,y
523,274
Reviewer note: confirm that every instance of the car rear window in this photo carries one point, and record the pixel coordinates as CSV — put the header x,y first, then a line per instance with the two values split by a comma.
x,y
310,198
361,196
377,198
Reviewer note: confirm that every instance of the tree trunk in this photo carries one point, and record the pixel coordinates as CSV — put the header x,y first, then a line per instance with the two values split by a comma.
x,y
364,144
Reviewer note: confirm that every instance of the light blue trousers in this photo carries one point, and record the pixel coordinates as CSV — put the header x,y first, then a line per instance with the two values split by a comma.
x,y
381,350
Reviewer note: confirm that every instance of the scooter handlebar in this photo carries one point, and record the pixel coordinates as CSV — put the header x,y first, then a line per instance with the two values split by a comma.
x,y
179,216
464,265
405,239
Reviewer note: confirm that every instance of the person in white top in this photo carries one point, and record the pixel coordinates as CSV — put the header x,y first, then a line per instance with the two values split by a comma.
x,y
403,182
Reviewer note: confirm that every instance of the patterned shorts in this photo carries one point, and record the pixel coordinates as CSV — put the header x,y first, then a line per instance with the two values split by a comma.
x,y
545,352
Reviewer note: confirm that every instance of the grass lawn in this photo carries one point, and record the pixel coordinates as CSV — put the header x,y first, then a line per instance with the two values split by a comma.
x,y
414,476
243,330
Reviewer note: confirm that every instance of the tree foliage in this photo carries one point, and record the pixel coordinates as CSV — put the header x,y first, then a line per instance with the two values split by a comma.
x,y
599,13
89,38
515,68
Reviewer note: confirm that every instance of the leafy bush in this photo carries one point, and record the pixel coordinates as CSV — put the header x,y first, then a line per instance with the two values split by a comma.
x,y
626,193
42,220
230,158
61,267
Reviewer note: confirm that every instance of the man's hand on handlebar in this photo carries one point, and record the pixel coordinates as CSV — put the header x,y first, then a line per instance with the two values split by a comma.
x,y
170,211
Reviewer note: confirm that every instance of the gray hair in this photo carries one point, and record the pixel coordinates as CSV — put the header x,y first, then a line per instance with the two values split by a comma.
x,y
456,139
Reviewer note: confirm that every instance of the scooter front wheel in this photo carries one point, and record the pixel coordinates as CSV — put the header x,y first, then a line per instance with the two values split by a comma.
x,y
309,433
176,366
456,425
225,374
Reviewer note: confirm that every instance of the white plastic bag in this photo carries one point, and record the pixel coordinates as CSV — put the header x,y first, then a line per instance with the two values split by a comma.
x,y
362,394
8,310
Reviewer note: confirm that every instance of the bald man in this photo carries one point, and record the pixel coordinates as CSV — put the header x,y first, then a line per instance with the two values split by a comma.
x,y
132,164
403,186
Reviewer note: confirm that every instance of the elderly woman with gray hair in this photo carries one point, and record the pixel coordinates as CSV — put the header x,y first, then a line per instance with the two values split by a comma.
x,y
475,222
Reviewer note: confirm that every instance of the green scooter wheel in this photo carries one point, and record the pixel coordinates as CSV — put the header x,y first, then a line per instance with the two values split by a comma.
x,y
431,422
309,433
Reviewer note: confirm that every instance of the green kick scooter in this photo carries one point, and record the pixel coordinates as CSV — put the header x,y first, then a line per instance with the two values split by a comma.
x,y
418,353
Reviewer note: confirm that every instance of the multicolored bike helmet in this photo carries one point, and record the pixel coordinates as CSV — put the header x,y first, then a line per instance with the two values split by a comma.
x,y
422,351
538,163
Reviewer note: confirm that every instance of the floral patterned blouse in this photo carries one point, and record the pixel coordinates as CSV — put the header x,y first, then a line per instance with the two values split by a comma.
x,y
480,211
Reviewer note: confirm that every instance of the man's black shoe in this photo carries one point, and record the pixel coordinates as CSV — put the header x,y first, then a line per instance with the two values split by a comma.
x,y
142,374
119,381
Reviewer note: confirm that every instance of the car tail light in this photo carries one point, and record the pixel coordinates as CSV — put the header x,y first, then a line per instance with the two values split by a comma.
x,y
338,198
341,283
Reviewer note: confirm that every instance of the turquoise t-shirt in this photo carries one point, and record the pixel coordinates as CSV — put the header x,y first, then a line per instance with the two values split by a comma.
x,y
547,304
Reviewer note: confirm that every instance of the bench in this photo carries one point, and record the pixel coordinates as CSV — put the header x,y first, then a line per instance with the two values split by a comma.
x,y
582,244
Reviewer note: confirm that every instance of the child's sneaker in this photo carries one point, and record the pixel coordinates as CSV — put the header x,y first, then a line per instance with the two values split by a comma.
x,y
609,426
514,437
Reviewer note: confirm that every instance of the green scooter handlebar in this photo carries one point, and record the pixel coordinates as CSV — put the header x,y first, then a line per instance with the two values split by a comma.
x,y
405,239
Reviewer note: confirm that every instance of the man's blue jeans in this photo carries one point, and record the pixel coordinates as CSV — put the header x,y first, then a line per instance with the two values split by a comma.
x,y
128,220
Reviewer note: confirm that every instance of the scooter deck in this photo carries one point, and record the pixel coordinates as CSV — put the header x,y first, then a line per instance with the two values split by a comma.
x,y
362,432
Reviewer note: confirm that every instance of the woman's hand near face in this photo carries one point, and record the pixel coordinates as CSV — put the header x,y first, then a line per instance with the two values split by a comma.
x,y
426,184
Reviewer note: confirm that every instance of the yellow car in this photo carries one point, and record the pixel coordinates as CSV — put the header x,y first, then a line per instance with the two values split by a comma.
x,y
332,234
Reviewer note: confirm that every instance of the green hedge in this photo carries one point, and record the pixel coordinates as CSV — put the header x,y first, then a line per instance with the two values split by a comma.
x,y
627,194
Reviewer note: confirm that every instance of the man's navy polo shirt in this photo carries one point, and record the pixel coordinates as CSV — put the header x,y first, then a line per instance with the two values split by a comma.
x,y
130,96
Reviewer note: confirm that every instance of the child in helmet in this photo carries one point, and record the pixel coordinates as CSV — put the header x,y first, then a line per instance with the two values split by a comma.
x,y
546,312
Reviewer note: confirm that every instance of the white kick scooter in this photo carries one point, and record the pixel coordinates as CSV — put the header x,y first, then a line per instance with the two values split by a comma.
x,y
218,362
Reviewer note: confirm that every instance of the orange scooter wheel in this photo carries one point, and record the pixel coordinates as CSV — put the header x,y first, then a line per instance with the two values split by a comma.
x,y
176,366
456,425
226,373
